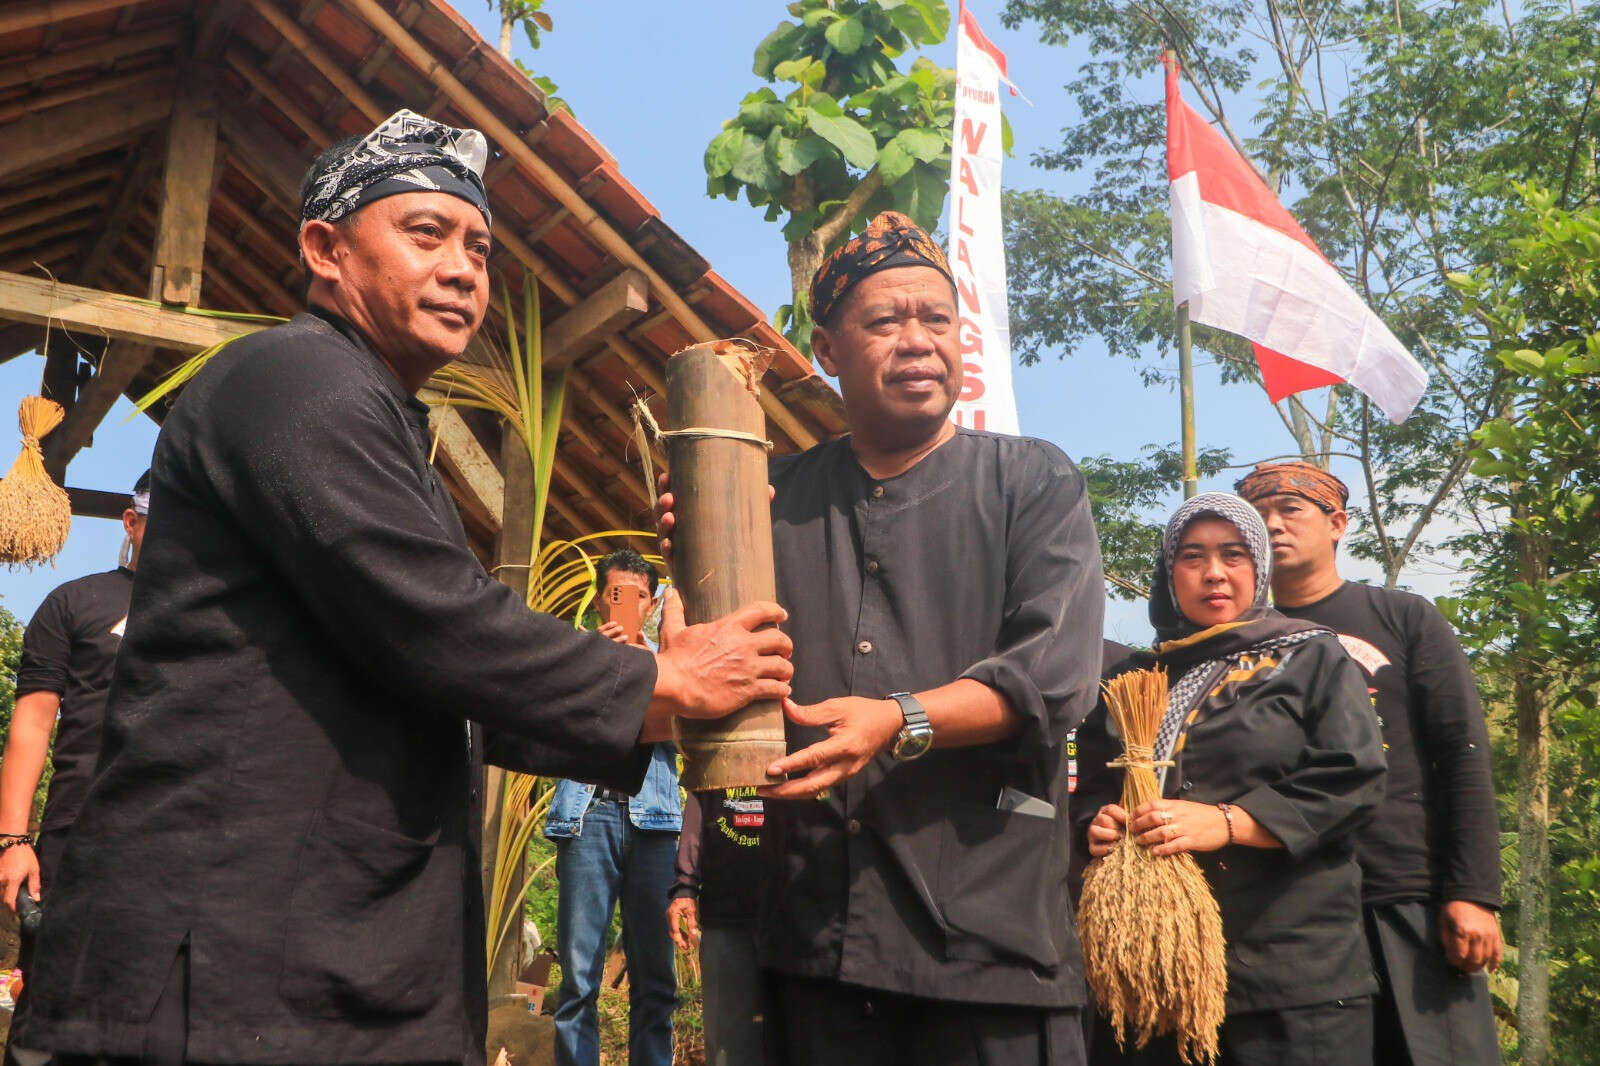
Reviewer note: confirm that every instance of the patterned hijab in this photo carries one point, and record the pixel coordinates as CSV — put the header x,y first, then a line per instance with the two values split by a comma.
x,y
1196,658
890,240
406,153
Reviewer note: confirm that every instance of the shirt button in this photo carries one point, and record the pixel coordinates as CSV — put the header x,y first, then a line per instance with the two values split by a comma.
x,y
1188,786
877,492
852,826
872,566
865,647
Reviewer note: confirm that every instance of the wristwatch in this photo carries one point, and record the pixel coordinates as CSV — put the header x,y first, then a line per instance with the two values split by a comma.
x,y
916,736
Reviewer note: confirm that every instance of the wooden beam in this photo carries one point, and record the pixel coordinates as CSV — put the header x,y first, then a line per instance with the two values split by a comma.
x,y
31,13
96,503
23,70
79,129
83,90
262,83
577,379
464,456
593,496
601,314
58,184
40,235
176,272
245,266
121,363
271,163
145,160
44,302
51,210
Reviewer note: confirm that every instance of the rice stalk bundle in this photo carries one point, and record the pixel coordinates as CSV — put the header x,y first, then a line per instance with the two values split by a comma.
x,y
35,513
1150,928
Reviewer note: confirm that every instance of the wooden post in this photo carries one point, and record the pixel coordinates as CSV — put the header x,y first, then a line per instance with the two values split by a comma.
x,y
512,555
722,547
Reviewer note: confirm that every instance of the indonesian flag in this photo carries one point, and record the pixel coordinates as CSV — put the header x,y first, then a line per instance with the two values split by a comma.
x,y
1244,265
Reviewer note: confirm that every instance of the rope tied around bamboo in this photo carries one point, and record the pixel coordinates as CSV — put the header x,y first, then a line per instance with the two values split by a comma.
x,y
35,513
1150,928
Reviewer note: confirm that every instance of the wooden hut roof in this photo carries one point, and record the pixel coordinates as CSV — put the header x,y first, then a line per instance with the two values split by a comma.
x,y
104,103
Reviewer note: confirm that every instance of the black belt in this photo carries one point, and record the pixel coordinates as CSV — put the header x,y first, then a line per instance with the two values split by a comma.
x,y
610,795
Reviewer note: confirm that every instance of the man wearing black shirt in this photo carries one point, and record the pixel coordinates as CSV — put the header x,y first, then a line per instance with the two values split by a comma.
x,y
278,862
1430,858
945,599
68,651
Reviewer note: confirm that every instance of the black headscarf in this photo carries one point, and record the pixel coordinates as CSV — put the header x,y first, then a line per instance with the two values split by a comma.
x,y
890,240
406,153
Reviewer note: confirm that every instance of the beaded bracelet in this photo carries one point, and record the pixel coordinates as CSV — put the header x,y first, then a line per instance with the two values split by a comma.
x,y
11,840
1227,812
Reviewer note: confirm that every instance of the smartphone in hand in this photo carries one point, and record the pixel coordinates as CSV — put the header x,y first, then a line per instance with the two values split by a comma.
x,y
626,607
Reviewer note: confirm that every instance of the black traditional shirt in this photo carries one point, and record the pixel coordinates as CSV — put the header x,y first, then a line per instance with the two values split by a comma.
x,y
69,648
1436,837
288,778
979,562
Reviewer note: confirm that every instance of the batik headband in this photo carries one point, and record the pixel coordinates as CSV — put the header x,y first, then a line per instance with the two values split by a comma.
x,y
141,503
890,240
406,153
1294,479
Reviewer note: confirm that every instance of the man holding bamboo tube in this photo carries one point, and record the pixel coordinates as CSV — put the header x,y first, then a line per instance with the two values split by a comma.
x,y
945,599
278,861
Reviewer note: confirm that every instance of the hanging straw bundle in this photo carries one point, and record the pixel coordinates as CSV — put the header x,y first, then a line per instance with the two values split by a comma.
x,y
1150,928
34,511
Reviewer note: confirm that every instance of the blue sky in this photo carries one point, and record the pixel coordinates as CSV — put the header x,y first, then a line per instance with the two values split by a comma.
x,y
653,82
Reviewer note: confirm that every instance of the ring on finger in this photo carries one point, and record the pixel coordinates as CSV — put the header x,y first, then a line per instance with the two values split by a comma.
x,y
1166,816
1170,832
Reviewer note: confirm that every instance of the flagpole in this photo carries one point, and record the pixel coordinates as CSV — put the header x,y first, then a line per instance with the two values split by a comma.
x,y
1191,476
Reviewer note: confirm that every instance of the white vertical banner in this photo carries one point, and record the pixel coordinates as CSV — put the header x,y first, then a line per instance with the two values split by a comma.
x,y
977,237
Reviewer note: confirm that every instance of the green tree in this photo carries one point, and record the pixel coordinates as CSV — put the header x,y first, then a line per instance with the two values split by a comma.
x,y
1533,604
854,136
1397,161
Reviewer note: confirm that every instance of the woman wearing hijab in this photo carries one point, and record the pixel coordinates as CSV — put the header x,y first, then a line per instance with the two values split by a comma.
x,y
1276,760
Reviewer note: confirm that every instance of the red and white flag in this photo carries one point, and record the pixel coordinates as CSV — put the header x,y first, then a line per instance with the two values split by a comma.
x,y
1244,265
977,237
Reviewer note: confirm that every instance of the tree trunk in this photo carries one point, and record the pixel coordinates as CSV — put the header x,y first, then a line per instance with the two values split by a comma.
x,y
805,259
1533,824
506,25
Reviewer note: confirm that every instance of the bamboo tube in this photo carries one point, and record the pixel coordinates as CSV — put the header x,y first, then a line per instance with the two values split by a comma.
x,y
722,542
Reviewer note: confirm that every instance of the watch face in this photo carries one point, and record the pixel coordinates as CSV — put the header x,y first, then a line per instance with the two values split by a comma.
x,y
912,744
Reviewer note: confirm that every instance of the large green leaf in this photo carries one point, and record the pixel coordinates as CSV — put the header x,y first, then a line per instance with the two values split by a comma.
x,y
847,35
925,145
845,134
894,162
723,151
752,166
774,48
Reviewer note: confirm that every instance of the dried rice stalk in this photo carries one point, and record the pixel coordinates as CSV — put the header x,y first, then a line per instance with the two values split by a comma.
x,y
34,511
1150,928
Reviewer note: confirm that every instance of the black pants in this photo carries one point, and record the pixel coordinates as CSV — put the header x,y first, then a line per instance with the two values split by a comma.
x,y
1428,1013
1327,1034
828,1023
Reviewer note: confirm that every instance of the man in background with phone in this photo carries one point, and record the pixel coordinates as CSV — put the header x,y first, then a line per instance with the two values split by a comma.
x,y
613,847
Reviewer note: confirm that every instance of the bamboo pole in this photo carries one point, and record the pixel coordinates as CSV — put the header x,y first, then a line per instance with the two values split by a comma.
x,y
1191,475
722,546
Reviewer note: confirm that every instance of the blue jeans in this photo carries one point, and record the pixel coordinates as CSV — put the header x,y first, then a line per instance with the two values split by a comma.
x,y
612,860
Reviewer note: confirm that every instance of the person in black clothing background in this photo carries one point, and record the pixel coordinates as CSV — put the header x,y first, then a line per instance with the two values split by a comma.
x,y
68,651
1278,762
1431,857
714,902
